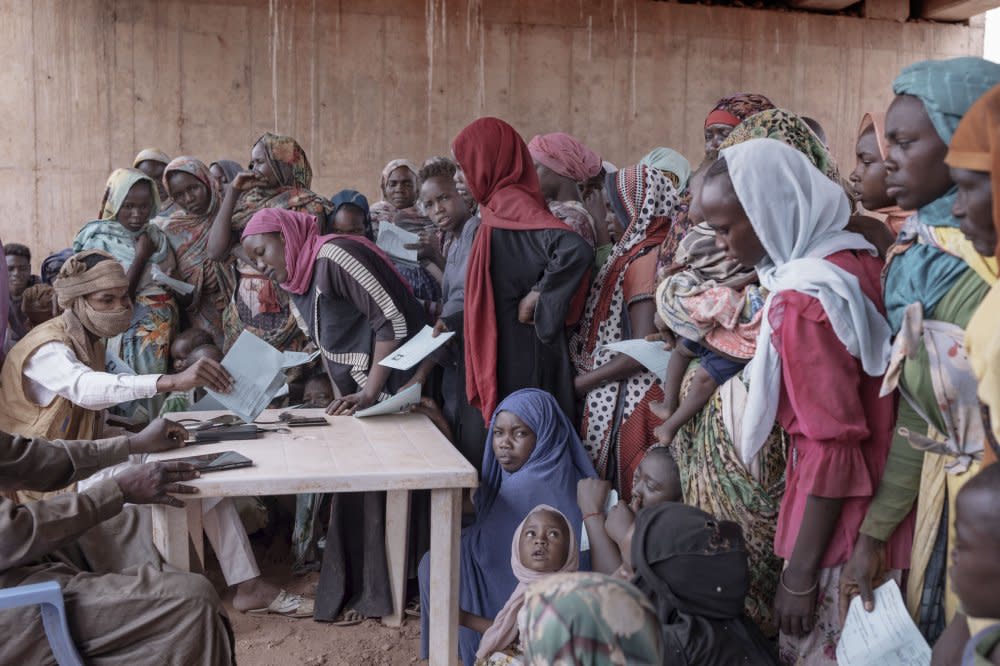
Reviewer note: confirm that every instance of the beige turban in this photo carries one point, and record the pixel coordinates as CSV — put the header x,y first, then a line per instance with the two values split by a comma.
x,y
76,280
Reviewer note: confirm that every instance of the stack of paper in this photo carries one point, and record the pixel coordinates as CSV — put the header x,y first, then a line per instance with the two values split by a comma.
x,y
258,373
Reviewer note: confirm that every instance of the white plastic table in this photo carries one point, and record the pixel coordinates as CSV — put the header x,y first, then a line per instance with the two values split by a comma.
x,y
395,454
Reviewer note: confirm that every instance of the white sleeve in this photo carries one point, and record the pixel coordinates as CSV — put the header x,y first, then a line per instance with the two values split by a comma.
x,y
56,370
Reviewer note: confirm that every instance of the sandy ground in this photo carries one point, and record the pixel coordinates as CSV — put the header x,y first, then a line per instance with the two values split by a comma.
x,y
271,640
278,641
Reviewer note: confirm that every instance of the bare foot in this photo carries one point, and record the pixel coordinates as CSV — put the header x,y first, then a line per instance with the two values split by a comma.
x,y
254,593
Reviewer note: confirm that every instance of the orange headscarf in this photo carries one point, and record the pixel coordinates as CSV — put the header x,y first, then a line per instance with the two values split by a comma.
x,y
976,145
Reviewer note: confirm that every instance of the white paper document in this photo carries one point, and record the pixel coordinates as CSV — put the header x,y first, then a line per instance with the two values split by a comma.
x,y
257,370
650,354
162,278
393,241
584,537
394,405
294,358
417,349
887,635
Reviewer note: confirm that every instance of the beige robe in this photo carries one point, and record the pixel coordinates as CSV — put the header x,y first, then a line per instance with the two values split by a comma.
x,y
123,608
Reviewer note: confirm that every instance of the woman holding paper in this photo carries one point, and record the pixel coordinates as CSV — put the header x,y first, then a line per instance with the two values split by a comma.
x,y
346,295
824,293
616,389
123,230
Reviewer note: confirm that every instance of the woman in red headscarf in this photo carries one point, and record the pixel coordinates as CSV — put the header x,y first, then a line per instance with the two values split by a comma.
x,y
527,278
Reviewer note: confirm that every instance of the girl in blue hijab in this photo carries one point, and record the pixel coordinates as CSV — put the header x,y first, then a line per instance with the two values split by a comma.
x,y
533,456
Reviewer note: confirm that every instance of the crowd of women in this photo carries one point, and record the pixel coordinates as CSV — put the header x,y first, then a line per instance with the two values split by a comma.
x,y
825,423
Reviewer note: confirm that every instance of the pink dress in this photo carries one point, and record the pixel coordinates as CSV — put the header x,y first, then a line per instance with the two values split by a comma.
x,y
839,427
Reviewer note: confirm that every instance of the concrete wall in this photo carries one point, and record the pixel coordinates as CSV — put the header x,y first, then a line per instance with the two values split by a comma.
x,y
89,82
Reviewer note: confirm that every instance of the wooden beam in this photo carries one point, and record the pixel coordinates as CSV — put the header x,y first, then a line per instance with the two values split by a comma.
x,y
887,10
822,5
954,10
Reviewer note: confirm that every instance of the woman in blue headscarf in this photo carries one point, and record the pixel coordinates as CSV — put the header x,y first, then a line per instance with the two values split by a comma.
x,y
533,456
351,214
931,293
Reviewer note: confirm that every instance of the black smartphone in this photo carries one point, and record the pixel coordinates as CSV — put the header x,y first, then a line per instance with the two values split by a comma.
x,y
216,462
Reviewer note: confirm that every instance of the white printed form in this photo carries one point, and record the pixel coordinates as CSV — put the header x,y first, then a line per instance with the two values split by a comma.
x,y
885,636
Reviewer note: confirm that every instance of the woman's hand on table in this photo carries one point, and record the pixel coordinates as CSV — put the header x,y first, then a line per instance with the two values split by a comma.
x,y
349,404
203,373
160,435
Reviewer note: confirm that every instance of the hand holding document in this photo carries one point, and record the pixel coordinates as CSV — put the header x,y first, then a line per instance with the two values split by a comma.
x,y
162,278
393,241
887,635
400,402
417,349
651,354
258,375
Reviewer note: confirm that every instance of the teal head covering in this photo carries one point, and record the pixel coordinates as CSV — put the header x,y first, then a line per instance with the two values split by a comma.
x,y
669,161
947,88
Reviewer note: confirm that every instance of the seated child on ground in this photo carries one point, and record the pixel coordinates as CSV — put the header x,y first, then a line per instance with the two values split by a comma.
x,y
186,342
975,571
182,401
543,544
656,480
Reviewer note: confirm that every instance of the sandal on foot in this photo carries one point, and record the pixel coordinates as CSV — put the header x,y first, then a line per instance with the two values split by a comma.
x,y
349,618
289,605
413,608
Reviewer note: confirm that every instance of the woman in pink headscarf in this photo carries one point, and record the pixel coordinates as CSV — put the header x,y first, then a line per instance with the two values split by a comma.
x,y
356,308
566,167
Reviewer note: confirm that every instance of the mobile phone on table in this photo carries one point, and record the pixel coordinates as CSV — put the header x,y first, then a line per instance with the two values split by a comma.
x,y
216,462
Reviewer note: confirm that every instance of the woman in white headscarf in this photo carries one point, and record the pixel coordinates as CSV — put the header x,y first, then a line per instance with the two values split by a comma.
x,y
823,327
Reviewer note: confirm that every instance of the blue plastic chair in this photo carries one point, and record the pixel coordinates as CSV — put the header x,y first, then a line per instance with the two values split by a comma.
x,y
49,597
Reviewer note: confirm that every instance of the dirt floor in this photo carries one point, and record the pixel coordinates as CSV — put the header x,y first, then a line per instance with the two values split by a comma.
x,y
278,641
271,640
